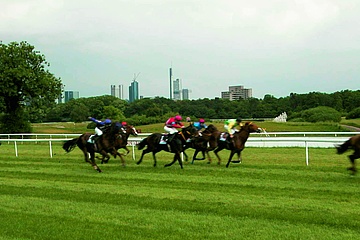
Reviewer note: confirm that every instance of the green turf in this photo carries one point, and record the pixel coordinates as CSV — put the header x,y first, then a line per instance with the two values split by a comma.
x,y
271,195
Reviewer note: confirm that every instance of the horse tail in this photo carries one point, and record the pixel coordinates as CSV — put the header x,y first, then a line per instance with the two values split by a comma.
x,y
343,147
68,146
142,144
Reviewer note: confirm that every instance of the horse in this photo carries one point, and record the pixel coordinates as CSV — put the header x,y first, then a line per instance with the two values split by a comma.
x,y
351,143
200,143
235,144
176,145
105,144
121,142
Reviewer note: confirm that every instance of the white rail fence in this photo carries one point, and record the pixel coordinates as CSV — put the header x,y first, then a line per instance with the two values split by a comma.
x,y
271,139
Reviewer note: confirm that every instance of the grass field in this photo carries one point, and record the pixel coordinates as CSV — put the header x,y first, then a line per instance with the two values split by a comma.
x,y
69,127
271,195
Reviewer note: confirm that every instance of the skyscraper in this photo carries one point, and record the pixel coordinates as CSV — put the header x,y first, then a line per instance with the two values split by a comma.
x,y
134,91
71,95
177,87
117,92
185,94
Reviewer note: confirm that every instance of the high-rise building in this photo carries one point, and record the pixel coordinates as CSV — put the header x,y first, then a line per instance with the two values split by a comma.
x,y
237,92
134,91
185,94
117,91
177,87
71,95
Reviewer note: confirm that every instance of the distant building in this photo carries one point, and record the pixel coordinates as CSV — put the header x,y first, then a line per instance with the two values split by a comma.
x,y
237,92
117,91
134,91
185,94
177,87
71,95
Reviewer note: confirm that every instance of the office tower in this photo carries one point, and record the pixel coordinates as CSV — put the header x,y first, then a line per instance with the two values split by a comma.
x,y
177,87
117,91
71,95
134,91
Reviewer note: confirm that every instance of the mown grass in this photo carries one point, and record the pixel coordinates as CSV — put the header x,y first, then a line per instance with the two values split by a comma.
x,y
69,127
271,195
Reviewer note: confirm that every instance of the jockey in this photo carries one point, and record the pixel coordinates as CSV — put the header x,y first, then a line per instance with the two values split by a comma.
x,y
172,124
231,124
200,125
123,126
100,127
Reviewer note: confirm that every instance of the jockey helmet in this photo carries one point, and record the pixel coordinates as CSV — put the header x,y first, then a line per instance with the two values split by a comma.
x,y
107,121
201,120
178,118
124,123
238,119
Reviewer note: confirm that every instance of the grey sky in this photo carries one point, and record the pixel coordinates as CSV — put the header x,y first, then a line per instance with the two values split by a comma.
x,y
272,46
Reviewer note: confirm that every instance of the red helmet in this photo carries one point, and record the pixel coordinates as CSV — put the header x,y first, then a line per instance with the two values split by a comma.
x,y
201,120
178,118
124,123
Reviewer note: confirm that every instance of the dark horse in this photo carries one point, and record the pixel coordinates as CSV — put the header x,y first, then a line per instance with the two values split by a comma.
x,y
105,144
176,145
351,143
235,144
200,143
121,142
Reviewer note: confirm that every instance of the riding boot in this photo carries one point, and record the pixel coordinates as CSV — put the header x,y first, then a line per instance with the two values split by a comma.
x,y
170,137
95,138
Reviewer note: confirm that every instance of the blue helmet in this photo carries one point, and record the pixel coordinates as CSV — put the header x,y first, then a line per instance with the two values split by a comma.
x,y
107,121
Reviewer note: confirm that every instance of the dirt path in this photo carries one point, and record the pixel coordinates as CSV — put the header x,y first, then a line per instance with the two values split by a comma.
x,y
351,128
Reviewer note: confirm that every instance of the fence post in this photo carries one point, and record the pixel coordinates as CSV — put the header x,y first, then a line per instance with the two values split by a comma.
x,y
16,150
307,153
51,155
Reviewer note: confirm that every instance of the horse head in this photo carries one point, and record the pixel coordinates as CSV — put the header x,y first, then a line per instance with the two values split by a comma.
x,y
210,129
131,130
190,131
251,127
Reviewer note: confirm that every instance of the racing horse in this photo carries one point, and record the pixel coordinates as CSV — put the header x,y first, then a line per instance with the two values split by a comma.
x,y
235,144
176,145
121,142
351,143
104,145
200,143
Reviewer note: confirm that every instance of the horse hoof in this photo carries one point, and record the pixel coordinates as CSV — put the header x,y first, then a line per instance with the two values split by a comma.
x,y
236,161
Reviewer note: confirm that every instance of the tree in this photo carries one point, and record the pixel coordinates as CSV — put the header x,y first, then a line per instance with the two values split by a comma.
x,y
24,80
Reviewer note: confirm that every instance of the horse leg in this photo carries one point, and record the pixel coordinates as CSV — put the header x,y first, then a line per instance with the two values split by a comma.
x,y
217,155
154,157
239,157
230,157
92,162
127,151
142,155
186,156
176,157
122,159
353,166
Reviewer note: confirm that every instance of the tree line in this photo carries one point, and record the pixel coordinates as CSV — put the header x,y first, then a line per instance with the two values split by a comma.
x,y
158,109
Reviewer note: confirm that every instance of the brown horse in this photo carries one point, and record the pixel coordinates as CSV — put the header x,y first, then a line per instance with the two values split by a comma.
x,y
235,144
105,144
351,143
121,143
176,146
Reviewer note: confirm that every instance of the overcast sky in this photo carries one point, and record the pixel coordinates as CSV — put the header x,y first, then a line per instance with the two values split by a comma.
x,y
272,46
